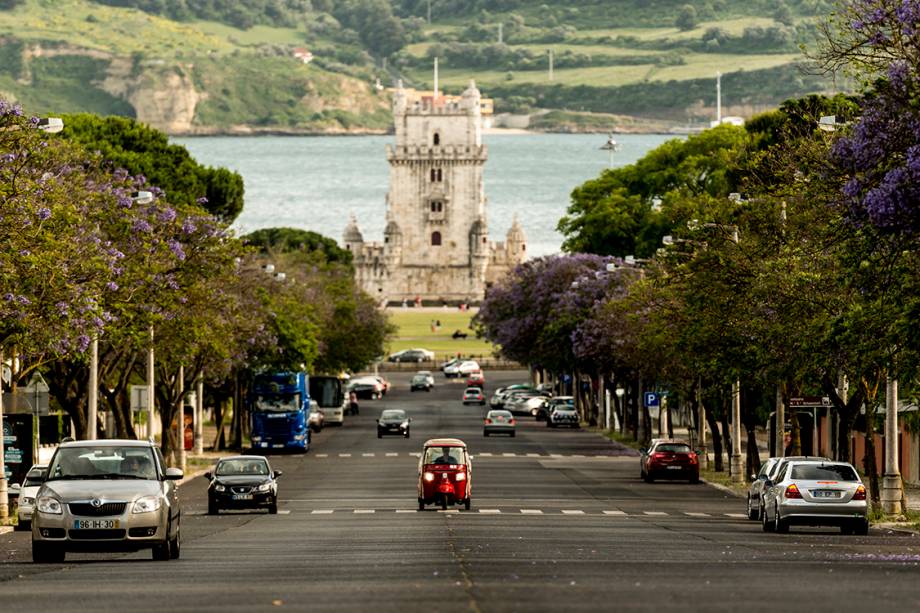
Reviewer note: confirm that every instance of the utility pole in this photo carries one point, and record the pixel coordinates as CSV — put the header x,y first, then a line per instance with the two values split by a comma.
x,y
93,408
180,421
151,397
892,487
550,64
737,463
704,453
199,416
779,432
4,497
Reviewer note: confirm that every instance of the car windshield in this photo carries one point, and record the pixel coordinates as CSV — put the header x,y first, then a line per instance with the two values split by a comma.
x,y
497,414
673,448
473,391
277,403
444,455
421,378
393,414
568,402
86,462
824,472
227,468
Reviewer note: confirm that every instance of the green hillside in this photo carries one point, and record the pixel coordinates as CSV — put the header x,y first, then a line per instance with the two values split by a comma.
x,y
198,66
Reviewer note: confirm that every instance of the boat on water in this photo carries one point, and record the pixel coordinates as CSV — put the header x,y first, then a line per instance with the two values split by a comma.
x,y
611,144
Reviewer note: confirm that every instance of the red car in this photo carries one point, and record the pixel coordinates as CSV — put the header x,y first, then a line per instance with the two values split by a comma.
x,y
669,459
476,379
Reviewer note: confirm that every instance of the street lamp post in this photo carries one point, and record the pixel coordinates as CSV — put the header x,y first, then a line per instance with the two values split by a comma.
x,y
892,487
4,496
92,409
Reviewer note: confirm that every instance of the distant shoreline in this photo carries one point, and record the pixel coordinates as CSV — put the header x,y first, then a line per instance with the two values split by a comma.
x,y
358,133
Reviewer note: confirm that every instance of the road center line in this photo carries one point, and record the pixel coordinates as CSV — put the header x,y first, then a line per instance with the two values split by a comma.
x,y
655,513
531,512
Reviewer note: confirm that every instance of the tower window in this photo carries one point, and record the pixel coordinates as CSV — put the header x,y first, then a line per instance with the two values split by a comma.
x,y
436,175
436,239
437,206
437,139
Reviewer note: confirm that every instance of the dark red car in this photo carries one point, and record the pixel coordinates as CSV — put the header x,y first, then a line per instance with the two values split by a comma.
x,y
669,459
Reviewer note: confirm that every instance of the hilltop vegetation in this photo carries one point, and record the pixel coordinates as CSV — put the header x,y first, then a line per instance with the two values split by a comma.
x,y
201,66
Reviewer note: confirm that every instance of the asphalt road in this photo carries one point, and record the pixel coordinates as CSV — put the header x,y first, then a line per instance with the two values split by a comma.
x,y
560,522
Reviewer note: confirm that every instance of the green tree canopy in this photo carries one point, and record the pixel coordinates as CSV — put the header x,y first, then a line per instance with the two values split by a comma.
x,y
287,240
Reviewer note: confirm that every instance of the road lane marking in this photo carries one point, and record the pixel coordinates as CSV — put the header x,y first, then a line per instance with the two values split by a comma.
x,y
533,455
367,455
448,511
364,511
616,513
572,512
344,455
509,455
490,511
655,513
322,455
484,455
392,455
697,514
577,455
284,512
737,515
321,512
416,454
531,512
406,511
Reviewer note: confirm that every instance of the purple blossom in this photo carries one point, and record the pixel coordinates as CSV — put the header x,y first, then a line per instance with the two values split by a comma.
x,y
142,225
166,214
44,213
176,248
202,200
111,286
83,342
63,308
188,226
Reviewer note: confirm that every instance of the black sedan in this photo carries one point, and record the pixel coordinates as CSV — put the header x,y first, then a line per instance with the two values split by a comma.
x,y
393,421
243,482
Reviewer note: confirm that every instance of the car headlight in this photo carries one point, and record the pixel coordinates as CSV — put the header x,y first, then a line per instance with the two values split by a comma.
x,y
461,476
27,500
405,424
219,488
49,505
429,476
264,487
147,504
255,439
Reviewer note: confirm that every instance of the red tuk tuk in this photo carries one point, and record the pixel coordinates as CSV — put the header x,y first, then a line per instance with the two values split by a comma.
x,y
444,474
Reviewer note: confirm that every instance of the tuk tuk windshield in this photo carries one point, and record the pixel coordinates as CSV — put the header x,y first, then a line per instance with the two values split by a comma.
x,y
444,455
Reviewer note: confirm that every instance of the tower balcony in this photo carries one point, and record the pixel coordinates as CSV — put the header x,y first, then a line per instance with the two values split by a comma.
x,y
421,153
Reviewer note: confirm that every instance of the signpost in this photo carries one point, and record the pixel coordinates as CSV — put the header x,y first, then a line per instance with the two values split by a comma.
x,y
814,403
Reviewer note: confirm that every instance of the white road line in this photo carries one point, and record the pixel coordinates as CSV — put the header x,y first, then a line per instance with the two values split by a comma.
x,y
321,512
556,455
448,511
406,511
490,511
364,511
322,455
484,455
344,455
572,512
416,454
697,514
737,515
531,512
616,513
367,455
392,455
509,455
577,455
284,512
655,513
533,455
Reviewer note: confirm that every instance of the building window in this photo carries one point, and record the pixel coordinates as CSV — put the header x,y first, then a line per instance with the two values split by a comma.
x,y
484,240
436,175
437,206
436,239
437,139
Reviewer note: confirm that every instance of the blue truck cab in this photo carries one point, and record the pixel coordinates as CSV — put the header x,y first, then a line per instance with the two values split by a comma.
x,y
279,409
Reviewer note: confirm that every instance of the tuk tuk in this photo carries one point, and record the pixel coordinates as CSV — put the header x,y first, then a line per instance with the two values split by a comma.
x,y
444,474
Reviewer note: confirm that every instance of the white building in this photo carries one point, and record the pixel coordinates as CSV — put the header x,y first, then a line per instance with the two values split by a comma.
x,y
436,242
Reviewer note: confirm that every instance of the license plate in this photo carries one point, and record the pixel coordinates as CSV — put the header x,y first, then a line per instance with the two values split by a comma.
x,y
242,496
826,494
675,467
95,524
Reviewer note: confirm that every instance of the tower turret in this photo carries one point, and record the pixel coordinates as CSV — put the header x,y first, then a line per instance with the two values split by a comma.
x,y
516,241
352,236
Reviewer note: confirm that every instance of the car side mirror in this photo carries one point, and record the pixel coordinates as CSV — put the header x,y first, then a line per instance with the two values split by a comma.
x,y
643,450
173,474
208,475
14,488
753,477
277,474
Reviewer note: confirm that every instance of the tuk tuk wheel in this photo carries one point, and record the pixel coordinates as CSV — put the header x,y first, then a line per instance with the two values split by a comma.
x,y
421,504
467,503
444,502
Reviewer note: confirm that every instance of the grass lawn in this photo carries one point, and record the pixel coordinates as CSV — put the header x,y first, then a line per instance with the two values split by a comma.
x,y
414,330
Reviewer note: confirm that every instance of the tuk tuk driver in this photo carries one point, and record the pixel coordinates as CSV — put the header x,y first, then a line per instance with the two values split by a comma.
x,y
446,458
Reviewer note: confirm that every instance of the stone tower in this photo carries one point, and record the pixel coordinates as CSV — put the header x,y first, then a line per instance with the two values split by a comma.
x,y
436,243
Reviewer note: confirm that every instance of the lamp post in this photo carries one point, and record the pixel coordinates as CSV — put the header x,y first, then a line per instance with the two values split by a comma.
x,y
892,487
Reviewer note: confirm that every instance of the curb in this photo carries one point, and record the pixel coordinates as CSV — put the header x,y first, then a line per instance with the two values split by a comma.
x,y
5,529
895,527
722,488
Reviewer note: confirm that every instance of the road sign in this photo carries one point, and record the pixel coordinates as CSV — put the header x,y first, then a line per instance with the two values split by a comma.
x,y
138,395
810,402
652,400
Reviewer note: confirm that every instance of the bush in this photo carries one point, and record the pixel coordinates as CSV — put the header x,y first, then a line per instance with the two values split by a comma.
x,y
686,18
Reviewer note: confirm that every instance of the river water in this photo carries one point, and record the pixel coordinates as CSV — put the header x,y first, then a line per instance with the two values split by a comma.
x,y
315,182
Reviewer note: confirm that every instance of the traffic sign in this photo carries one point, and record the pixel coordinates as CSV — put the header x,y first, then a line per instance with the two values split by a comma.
x,y
810,402
652,400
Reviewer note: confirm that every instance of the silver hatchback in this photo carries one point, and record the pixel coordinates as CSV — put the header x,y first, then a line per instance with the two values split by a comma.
x,y
809,493
109,495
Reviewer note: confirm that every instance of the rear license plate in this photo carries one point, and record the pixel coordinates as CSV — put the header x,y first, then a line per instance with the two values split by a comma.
x,y
95,524
675,467
826,494
242,496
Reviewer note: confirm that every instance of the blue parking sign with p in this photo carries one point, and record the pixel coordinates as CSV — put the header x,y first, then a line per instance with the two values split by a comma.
x,y
651,400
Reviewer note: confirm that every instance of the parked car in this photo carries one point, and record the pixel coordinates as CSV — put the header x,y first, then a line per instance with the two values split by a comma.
x,y
767,472
27,491
451,367
393,421
476,379
468,367
242,482
547,405
473,395
498,421
412,355
563,414
669,459
815,493
317,418
421,382
107,495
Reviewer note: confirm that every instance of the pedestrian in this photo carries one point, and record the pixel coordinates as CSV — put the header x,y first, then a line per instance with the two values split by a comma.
x,y
437,324
353,402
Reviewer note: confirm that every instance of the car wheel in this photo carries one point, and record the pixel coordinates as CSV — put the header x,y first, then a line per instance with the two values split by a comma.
x,y
444,502
379,435
421,504
765,523
467,504
484,433
407,434
47,553
861,528
648,478
212,507
273,507
781,526
160,552
20,526
751,513
512,435
175,546
695,480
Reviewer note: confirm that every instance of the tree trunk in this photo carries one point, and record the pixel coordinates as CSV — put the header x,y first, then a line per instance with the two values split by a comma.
x,y
716,440
727,434
753,454
796,443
